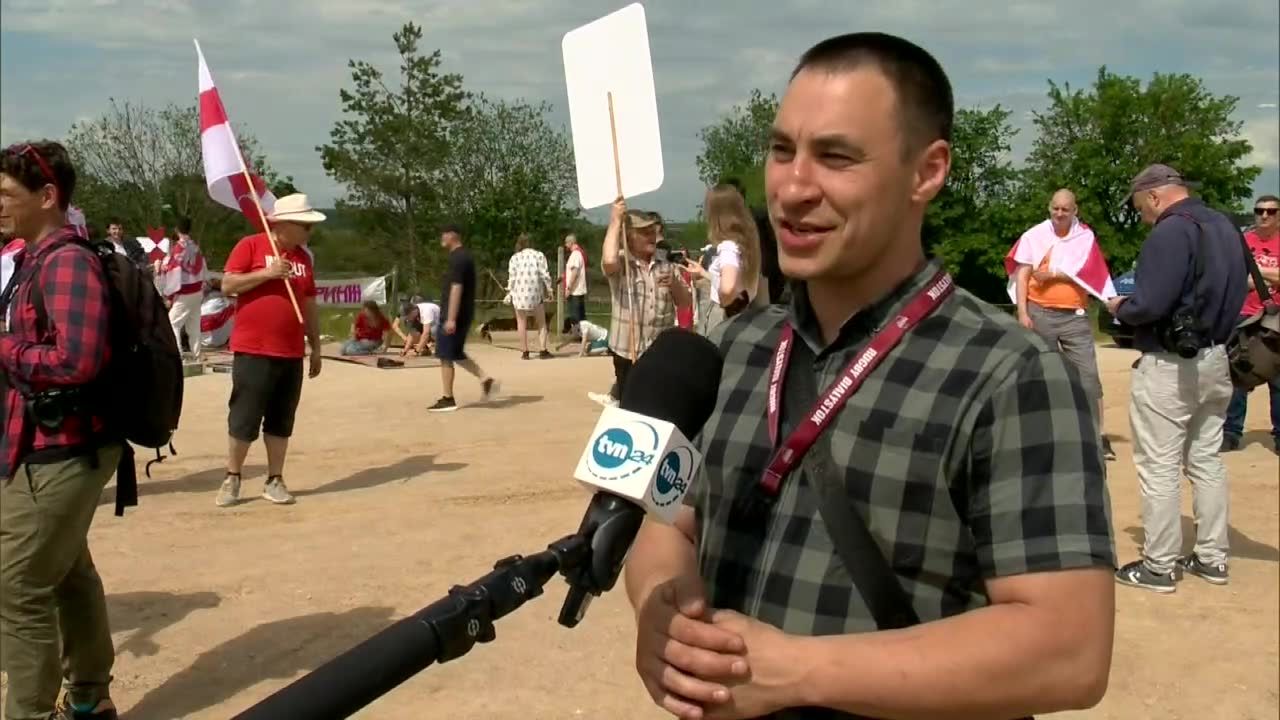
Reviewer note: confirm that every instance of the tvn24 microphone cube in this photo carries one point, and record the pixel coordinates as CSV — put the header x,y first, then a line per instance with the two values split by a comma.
x,y
643,459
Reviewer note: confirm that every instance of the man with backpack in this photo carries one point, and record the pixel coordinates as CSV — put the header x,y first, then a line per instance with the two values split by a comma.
x,y
58,449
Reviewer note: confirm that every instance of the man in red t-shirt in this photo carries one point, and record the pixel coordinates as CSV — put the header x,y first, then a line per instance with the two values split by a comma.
x,y
1264,242
268,342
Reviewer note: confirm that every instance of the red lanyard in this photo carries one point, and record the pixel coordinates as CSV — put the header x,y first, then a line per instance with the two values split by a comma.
x,y
786,457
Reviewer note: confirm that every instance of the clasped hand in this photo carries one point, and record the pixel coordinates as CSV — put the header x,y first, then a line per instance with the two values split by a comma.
x,y
703,664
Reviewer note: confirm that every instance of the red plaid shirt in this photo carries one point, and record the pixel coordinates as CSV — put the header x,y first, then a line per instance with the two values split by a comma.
x,y
72,350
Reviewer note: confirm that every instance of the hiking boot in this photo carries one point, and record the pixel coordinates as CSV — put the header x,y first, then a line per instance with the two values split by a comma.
x,y
444,404
1107,452
488,389
229,493
545,355
1137,574
1216,574
1230,443
524,355
276,492
104,710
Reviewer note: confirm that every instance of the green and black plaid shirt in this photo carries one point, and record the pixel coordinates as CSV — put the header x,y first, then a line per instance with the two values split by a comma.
x,y
971,453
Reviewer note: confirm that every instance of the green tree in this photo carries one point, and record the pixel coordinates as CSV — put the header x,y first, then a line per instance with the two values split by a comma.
x,y
510,171
980,211
391,148
736,145
143,166
1094,141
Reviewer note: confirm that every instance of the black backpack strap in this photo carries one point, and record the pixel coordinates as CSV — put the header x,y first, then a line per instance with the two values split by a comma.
x,y
1251,264
862,556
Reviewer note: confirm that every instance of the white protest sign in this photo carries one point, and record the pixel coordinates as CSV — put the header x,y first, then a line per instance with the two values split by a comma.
x,y
604,59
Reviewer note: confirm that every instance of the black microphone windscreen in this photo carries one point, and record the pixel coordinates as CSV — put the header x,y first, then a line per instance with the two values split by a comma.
x,y
676,379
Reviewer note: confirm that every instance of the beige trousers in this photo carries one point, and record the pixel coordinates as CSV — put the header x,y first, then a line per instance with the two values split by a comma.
x,y
1176,411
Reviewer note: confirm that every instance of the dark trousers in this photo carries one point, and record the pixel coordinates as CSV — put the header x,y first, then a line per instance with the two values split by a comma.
x,y
621,368
1234,425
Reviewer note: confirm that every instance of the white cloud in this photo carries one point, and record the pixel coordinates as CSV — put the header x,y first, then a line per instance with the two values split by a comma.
x,y
1264,135
280,64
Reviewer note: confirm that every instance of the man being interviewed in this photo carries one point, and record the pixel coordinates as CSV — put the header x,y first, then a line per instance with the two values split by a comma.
x,y
268,342
856,555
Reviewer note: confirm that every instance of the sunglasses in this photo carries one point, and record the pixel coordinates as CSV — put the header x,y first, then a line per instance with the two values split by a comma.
x,y
1265,211
28,149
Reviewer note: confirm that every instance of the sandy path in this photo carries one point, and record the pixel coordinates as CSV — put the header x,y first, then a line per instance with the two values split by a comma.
x,y
214,609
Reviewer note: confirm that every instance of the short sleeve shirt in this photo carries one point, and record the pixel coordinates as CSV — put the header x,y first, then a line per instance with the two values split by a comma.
x,y
575,262
970,452
265,320
1266,252
461,270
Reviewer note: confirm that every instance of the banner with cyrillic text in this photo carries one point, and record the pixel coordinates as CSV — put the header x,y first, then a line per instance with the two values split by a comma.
x,y
351,291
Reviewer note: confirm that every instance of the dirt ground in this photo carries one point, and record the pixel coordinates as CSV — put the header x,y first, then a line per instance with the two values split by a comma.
x,y
214,609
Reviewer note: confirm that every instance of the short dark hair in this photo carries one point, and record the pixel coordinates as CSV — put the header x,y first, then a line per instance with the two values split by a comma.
x,y
735,182
449,228
1267,198
924,92
38,163
184,225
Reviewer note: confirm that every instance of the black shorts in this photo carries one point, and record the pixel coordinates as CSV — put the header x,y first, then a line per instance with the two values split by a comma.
x,y
452,348
264,396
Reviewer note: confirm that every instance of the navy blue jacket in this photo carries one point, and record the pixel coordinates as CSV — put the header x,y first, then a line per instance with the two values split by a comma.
x,y
1164,277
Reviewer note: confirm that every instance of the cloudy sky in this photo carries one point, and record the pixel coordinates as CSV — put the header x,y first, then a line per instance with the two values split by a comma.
x,y
279,64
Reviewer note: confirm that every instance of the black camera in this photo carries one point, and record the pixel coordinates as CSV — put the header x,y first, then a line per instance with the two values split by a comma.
x,y
50,408
1183,335
664,253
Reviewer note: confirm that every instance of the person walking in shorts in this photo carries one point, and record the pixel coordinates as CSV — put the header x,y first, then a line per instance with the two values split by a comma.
x,y
269,343
1054,268
457,311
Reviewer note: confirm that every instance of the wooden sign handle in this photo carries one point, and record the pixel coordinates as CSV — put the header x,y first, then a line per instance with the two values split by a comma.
x,y
626,250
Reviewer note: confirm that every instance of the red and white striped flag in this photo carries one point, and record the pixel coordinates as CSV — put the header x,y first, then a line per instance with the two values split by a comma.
x,y
224,164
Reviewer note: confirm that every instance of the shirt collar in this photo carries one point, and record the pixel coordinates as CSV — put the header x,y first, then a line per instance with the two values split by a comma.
x,y
861,324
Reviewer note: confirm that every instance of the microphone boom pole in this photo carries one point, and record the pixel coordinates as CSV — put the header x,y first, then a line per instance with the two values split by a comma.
x,y
445,630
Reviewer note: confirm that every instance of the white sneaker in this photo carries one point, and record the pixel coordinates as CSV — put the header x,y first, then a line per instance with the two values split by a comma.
x,y
604,399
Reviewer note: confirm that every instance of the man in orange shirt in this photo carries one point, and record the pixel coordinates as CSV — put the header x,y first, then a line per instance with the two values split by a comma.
x,y
1054,268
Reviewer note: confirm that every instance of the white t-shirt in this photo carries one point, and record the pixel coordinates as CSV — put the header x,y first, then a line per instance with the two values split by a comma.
x,y
428,312
592,332
728,255
579,286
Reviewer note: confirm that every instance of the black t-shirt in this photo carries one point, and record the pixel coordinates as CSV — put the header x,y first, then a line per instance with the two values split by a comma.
x,y
461,270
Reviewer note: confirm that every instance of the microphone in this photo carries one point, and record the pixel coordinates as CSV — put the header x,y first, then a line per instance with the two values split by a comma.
x,y
640,458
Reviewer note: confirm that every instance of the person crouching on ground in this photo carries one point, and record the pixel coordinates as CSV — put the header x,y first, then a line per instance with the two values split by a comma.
x,y
268,342
368,331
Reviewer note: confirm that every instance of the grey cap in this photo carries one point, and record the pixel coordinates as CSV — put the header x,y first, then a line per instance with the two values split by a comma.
x,y
1154,176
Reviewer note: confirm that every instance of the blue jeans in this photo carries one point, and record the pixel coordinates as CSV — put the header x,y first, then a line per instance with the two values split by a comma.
x,y
1234,426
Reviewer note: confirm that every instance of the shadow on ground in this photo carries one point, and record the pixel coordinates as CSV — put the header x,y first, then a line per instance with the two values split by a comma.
x,y
147,613
270,651
372,477
1241,545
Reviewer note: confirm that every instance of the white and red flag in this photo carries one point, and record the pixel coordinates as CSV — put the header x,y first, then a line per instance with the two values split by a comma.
x,y
224,164
1077,256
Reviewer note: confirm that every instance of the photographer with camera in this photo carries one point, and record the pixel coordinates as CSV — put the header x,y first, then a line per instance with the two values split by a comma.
x,y
57,450
1189,288
733,278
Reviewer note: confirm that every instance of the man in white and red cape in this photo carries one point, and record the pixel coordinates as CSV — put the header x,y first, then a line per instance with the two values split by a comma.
x,y
183,274
1054,268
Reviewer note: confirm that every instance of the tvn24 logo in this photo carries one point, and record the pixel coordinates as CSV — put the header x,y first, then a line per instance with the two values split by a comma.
x,y
621,453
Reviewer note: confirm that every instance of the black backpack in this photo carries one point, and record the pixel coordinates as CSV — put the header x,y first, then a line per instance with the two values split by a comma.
x,y
139,392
